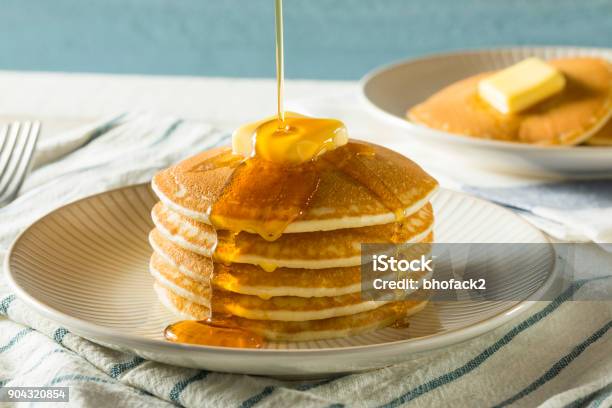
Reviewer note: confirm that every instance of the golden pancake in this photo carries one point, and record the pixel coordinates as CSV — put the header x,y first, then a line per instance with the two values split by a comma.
x,y
253,280
352,186
603,137
287,308
564,119
319,249
277,330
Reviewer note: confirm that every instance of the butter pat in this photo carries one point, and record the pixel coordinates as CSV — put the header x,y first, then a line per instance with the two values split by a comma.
x,y
521,86
297,140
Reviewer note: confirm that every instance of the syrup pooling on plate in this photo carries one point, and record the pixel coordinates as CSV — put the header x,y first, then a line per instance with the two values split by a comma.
x,y
223,333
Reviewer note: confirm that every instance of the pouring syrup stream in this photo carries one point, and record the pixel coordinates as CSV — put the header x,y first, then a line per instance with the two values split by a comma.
x,y
280,62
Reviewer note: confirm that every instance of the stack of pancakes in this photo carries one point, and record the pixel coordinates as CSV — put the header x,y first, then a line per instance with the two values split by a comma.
x,y
581,113
306,283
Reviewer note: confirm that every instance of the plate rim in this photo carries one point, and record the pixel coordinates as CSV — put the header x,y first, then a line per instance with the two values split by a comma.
x,y
97,333
465,139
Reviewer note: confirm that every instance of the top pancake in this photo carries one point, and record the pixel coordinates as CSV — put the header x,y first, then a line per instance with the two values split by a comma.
x,y
340,197
564,119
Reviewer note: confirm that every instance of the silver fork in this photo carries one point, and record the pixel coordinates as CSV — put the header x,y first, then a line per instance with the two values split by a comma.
x,y
17,143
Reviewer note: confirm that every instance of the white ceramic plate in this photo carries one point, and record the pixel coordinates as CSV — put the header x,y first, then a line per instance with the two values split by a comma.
x,y
389,92
85,266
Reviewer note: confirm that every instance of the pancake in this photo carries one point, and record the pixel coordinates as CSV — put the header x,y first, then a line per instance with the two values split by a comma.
x,y
277,330
253,280
313,250
286,308
348,188
567,118
603,137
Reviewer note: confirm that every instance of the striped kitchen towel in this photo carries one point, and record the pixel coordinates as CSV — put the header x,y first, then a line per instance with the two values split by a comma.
x,y
555,355
568,209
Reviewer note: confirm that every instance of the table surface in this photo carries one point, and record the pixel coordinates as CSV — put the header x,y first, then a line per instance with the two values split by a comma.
x,y
62,100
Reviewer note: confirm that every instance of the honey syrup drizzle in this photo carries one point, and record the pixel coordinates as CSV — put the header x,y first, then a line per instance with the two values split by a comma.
x,y
212,333
280,60
264,196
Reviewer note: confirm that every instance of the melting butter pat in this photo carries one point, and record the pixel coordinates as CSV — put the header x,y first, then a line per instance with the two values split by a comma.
x,y
296,140
521,86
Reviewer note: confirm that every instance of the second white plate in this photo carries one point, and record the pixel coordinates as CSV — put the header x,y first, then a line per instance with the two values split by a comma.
x,y
389,92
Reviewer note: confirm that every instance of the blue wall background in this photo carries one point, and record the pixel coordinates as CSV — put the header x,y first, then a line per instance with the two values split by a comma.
x,y
331,39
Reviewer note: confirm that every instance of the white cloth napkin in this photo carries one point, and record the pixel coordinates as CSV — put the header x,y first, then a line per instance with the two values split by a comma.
x,y
567,210
557,354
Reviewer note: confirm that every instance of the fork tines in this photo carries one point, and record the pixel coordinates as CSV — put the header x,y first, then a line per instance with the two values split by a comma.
x,y
17,143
